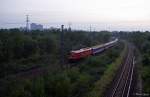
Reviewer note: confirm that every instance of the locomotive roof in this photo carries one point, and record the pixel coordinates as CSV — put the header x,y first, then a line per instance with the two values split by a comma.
x,y
80,50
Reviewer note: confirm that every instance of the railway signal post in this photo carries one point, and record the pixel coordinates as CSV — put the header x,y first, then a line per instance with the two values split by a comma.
x,y
62,46
27,23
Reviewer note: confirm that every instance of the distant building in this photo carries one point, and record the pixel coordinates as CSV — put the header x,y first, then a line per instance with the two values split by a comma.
x,y
34,26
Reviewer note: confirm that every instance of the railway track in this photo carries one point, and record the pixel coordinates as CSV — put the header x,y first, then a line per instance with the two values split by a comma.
x,y
121,86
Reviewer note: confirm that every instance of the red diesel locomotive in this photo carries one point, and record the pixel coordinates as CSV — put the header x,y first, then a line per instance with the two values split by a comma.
x,y
78,54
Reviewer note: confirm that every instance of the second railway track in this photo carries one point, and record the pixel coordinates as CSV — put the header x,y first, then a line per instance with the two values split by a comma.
x,y
121,87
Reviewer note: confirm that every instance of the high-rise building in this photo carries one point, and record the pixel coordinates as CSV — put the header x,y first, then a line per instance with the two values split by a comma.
x,y
35,26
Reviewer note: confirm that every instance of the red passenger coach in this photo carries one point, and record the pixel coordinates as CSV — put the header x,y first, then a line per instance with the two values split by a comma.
x,y
82,53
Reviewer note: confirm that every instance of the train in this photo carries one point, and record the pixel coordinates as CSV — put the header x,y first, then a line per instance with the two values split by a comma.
x,y
85,52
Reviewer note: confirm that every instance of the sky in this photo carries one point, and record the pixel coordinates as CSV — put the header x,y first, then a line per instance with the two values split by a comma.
x,y
100,14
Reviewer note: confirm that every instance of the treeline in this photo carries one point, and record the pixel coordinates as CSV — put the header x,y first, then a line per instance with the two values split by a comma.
x,y
22,51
